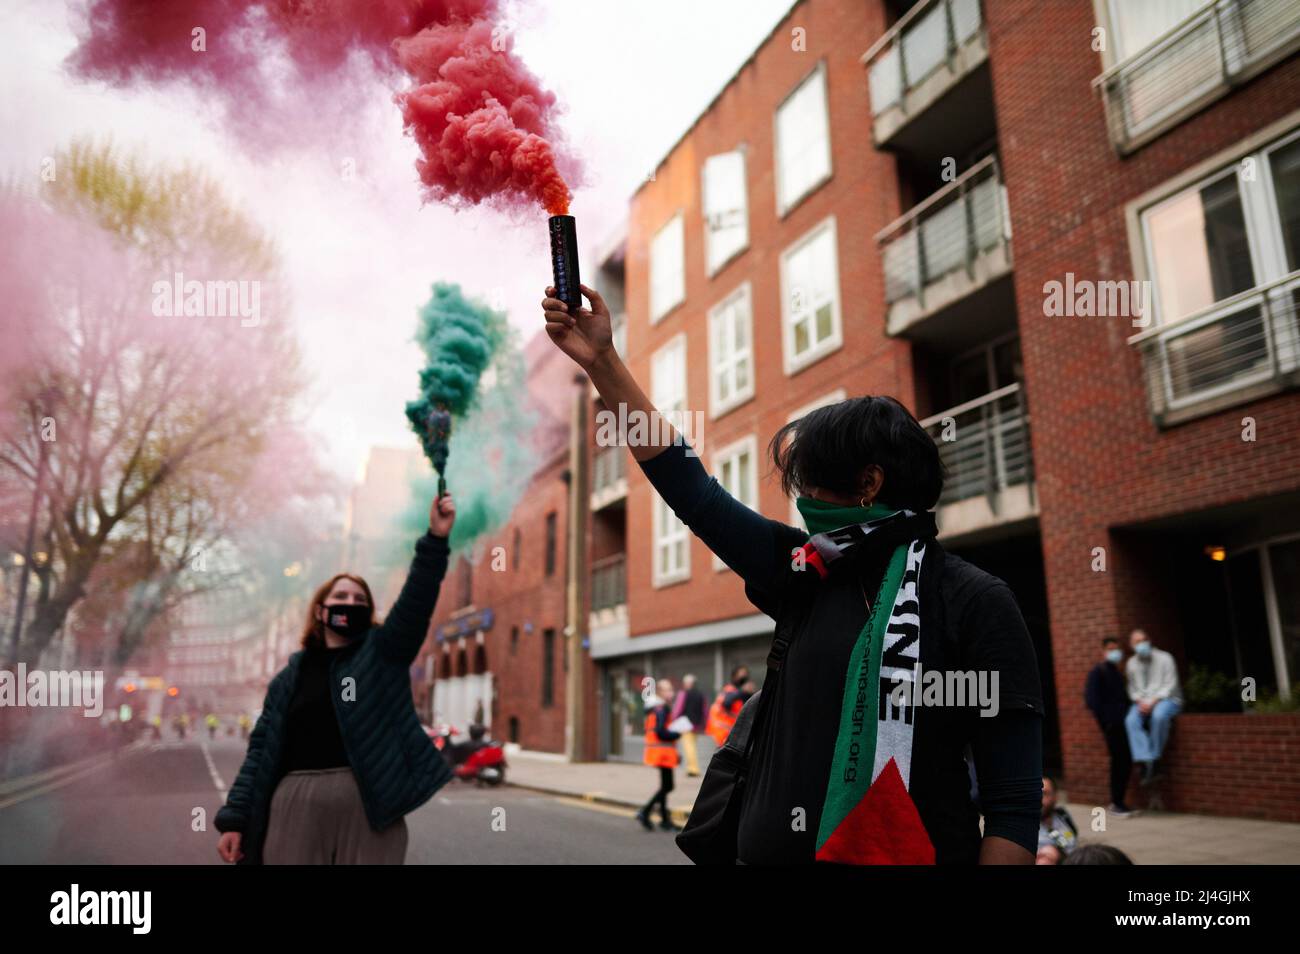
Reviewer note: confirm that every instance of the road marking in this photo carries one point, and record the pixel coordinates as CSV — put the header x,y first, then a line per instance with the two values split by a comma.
x,y
57,783
212,770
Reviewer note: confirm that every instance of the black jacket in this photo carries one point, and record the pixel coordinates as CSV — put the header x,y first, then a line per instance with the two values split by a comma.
x,y
979,628
1106,694
396,765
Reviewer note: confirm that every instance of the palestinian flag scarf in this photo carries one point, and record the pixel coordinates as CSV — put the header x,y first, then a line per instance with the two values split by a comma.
x,y
868,816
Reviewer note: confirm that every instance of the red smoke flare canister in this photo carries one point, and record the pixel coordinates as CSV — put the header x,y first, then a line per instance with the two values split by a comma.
x,y
564,261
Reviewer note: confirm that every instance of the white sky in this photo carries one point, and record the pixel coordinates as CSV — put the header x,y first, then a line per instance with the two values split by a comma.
x,y
360,256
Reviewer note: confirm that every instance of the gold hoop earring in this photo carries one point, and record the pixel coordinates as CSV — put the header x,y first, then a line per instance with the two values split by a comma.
x,y
864,502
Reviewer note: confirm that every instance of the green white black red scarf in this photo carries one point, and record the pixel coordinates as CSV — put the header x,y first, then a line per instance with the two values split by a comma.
x,y
868,816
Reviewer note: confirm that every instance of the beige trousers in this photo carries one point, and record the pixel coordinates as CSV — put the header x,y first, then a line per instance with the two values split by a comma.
x,y
692,755
317,818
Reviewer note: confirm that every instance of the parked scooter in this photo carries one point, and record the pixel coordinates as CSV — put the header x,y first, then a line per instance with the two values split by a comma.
x,y
479,759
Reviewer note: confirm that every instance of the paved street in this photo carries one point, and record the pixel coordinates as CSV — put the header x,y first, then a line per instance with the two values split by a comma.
x,y
137,808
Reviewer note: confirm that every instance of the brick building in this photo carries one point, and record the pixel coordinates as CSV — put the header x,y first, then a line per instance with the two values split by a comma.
x,y
949,201
498,647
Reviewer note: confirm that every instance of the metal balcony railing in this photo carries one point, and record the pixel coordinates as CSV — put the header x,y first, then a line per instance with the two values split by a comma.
x,y
608,467
1249,339
608,583
924,39
984,444
945,233
1221,45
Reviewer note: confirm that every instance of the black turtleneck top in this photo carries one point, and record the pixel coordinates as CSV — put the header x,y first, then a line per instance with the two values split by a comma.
x,y
313,739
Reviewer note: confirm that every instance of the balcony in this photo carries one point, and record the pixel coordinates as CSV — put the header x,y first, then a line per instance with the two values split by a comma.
x,y
609,594
944,252
1235,351
936,49
984,444
608,477
1195,63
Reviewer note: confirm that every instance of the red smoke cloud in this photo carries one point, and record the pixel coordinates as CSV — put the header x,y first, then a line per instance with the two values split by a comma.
x,y
483,122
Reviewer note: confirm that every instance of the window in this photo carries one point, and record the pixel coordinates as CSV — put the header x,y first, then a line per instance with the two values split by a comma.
x,y
726,212
803,141
514,640
1222,258
551,522
548,668
667,269
810,298
731,361
668,376
736,468
517,546
672,553
1136,25
835,397
668,393
1201,253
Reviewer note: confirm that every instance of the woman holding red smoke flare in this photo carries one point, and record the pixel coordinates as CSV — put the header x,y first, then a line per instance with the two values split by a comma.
x,y
855,740
338,757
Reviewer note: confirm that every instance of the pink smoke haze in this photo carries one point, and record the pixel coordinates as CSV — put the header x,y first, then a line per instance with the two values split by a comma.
x,y
485,126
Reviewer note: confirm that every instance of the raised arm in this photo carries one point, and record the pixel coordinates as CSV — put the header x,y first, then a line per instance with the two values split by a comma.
x,y
754,546
403,631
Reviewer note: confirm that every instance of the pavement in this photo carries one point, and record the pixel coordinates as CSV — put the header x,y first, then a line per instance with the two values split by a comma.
x,y
1150,838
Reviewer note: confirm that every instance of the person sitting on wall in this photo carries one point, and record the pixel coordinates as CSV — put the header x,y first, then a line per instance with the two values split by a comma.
x,y
1157,697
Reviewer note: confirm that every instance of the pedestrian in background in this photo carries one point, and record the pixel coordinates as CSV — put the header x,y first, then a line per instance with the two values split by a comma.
x,y
690,703
721,718
661,752
1157,697
1106,694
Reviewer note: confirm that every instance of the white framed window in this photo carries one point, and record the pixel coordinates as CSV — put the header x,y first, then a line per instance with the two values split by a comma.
x,y
731,351
1137,25
668,375
672,547
726,209
671,539
810,298
834,397
1223,258
803,141
736,469
667,268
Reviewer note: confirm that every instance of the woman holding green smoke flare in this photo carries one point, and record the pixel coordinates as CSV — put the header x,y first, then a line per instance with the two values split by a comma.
x,y
338,756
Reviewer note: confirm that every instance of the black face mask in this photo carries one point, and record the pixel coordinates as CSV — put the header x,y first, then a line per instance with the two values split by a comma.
x,y
349,620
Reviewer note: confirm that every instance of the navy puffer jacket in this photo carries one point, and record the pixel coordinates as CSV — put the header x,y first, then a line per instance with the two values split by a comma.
x,y
395,764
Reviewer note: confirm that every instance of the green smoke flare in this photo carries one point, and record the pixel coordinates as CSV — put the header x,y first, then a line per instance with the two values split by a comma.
x,y
459,339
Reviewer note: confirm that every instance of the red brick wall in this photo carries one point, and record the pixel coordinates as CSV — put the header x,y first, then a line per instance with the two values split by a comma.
x,y
1101,462
518,596
1234,765
862,193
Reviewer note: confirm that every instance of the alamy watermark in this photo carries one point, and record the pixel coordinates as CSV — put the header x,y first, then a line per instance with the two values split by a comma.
x,y
629,428
176,297
1084,298
54,689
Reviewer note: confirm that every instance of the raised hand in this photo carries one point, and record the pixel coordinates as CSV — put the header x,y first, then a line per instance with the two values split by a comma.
x,y
442,514
586,337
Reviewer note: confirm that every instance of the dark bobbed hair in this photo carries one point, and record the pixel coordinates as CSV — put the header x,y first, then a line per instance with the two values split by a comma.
x,y
830,447
1097,855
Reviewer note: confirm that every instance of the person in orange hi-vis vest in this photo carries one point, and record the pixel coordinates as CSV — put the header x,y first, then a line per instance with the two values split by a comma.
x,y
661,752
721,718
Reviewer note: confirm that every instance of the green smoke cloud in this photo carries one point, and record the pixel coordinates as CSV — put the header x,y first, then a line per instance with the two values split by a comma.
x,y
459,338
